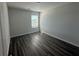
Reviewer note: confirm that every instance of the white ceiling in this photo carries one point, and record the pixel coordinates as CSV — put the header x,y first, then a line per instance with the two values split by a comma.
x,y
35,6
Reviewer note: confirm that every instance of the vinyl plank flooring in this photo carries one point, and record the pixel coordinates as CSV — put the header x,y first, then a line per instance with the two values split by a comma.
x,y
40,44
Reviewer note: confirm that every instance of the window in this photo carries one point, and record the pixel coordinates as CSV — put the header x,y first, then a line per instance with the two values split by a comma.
x,y
34,20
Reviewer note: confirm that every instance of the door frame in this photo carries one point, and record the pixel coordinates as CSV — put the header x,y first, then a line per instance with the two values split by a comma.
x,y
5,36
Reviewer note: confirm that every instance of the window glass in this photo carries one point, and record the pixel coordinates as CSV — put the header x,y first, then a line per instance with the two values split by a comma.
x,y
34,20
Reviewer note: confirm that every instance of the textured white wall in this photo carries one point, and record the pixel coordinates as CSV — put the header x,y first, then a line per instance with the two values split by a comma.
x,y
20,21
62,22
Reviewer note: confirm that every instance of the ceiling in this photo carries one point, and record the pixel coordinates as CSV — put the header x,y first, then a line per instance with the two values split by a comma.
x,y
36,6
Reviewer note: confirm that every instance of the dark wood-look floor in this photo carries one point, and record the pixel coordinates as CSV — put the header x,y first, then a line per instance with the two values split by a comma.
x,y
37,44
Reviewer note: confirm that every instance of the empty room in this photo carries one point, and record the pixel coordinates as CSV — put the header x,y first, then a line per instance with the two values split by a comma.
x,y
39,28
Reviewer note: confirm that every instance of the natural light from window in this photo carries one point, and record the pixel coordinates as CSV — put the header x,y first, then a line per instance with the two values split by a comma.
x,y
34,21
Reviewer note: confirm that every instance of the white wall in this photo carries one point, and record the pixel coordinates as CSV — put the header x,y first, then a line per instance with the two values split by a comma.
x,y
1,48
5,37
62,22
20,21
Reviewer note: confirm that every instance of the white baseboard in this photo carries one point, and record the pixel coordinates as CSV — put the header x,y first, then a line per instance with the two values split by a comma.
x,y
18,35
61,39
21,34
